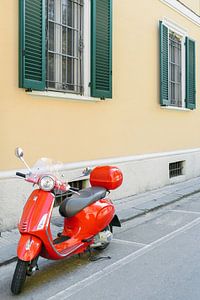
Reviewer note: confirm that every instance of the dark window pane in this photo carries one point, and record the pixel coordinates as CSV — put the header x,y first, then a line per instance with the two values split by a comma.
x,y
64,40
51,36
51,70
70,42
67,12
51,11
70,76
64,79
64,12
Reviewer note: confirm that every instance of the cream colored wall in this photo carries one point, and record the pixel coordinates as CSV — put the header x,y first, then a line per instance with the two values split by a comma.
x,y
131,123
193,4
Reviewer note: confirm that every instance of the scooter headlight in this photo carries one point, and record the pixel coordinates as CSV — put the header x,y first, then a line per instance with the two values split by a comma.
x,y
47,183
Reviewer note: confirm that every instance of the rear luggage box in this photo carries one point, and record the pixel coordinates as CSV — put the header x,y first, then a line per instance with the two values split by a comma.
x,y
108,177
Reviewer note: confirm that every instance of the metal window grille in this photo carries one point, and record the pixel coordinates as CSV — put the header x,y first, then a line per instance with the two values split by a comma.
x,y
79,184
65,45
176,169
175,67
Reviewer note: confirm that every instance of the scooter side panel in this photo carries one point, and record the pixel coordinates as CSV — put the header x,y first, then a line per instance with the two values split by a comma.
x,y
81,228
91,220
29,247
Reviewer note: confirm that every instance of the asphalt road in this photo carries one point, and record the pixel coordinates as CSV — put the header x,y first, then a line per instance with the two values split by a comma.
x,y
154,257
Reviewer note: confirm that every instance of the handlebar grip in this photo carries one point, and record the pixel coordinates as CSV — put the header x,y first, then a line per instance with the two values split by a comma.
x,y
21,174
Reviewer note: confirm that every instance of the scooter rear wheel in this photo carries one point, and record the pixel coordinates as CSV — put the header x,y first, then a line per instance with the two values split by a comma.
x,y
19,276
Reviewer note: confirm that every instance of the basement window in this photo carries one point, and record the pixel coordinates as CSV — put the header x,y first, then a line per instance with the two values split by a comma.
x,y
79,184
176,168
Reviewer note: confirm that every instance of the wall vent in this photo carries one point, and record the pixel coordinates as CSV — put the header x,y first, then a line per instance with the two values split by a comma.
x,y
176,168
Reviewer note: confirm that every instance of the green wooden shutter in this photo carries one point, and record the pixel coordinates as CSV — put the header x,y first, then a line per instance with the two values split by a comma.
x,y
164,53
32,44
101,48
190,74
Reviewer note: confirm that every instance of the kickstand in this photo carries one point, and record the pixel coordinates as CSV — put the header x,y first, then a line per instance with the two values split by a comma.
x,y
94,258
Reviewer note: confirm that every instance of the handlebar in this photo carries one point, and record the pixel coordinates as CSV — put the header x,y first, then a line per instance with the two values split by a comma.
x,y
62,186
74,189
59,185
21,174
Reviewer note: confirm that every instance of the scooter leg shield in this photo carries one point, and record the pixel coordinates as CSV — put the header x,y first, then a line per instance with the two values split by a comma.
x,y
29,247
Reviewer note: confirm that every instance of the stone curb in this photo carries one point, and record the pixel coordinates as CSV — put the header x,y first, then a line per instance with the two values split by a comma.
x,y
153,208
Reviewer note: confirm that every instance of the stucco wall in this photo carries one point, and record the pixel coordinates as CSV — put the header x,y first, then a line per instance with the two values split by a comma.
x,y
131,123
193,4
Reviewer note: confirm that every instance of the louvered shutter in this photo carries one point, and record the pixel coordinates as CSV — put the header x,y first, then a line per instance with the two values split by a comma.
x,y
32,44
164,54
190,74
101,48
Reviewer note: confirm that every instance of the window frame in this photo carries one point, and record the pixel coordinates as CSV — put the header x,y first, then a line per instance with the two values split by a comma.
x,y
183,34
190,66
95,14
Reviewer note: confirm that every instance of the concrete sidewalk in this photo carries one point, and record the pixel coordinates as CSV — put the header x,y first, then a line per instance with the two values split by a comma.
x,y
127,209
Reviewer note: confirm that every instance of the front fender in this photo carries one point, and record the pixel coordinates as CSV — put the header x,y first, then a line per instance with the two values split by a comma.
x,y
29,247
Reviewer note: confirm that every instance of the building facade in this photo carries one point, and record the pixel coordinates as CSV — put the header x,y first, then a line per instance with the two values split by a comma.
x,y
99,82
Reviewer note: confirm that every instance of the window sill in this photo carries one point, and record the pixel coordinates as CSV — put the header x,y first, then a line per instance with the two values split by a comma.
x,y
175,108
64,96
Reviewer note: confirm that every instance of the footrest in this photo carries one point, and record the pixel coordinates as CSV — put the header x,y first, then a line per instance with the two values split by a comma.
x,y
61,239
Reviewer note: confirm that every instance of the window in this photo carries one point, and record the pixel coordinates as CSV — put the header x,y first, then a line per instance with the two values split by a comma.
x,y
56,39
65,46
177,68
79,185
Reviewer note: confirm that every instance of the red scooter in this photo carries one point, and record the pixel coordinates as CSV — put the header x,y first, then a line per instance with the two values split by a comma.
x,y
88,217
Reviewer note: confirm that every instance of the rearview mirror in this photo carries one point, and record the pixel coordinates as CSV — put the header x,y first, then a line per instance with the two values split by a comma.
x,y
19,152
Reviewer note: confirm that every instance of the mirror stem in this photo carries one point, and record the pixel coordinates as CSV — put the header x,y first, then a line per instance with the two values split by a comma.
x,y
22,159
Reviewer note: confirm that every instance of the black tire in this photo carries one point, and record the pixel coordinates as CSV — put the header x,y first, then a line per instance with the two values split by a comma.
x,y
109,227
19,276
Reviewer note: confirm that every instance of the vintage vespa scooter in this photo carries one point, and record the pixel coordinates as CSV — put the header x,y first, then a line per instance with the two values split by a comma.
x,y
88,217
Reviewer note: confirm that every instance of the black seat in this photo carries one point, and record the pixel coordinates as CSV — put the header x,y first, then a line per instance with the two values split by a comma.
x,y
76,203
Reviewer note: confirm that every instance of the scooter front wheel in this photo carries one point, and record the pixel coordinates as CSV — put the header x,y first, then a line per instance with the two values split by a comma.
x,y
19,276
